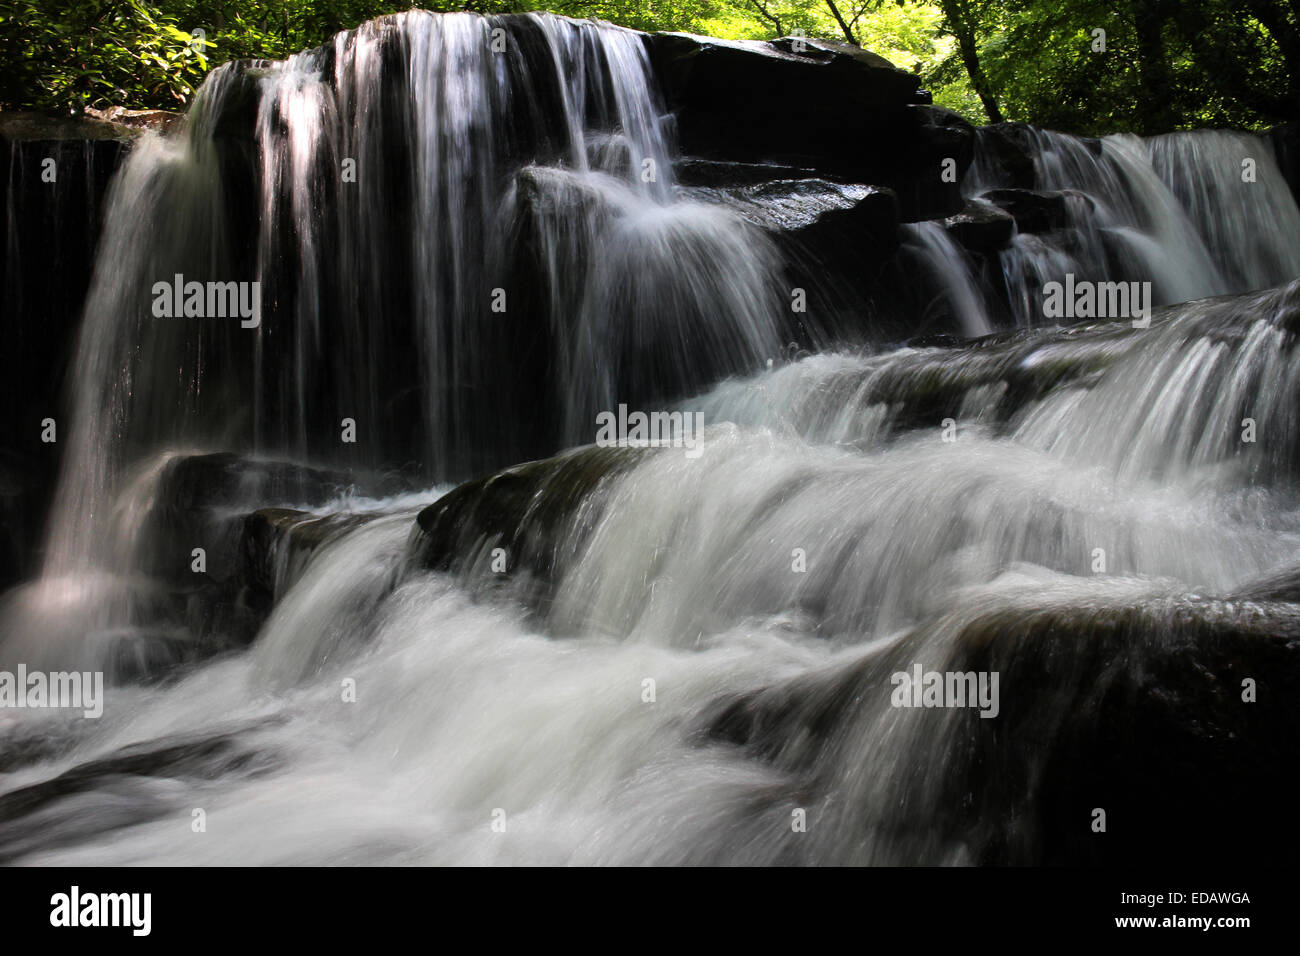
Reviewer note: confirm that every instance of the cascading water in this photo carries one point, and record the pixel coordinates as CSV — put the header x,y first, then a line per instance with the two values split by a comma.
x,y
950,270
363,259
395,287
643,655
1195,214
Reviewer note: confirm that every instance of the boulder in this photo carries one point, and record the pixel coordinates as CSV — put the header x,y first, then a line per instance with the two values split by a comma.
x,y
693,171
276,544
1006,152
929,137
835,239
981,226
171,613
1032,210
822,105
539,513
94,127
160,121
201,500
818,216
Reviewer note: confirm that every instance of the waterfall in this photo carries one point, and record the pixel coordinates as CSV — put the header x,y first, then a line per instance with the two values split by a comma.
x,y
1238,203
1195,214
951,271
472,636
379,274
426,205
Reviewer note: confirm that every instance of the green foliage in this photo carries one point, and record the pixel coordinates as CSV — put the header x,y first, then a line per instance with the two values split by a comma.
x,y
95,53
1199,64
1168,64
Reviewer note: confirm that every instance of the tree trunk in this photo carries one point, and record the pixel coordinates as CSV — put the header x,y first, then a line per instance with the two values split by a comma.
x,y
962,26
1274,19
1149,18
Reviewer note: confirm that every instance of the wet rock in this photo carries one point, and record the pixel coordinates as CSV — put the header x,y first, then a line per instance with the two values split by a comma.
x,y
276,543
821,105
981,226
1282,584
834,238
820,217
1033,211
1008,149
539,513
693,171
201,501
225,479
1285,140
118,788
23,127
930,137
160,121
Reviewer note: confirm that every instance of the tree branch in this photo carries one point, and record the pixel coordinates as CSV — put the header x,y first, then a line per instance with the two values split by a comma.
x,y
835,12
771,18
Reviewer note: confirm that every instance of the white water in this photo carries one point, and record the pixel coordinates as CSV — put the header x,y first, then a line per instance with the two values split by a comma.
x,y
1138,213
950,269
464,708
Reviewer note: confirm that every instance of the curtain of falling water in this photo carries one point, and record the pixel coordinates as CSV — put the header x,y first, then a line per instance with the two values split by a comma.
x,y
386,231
1174,210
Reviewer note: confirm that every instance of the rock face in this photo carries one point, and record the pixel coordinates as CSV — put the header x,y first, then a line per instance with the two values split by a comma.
x,y
1033,211
201,499
1008,150
527,512
819,104
981,226
815,216
204,501
767,126
821,112
276,543
834,238
1285,140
